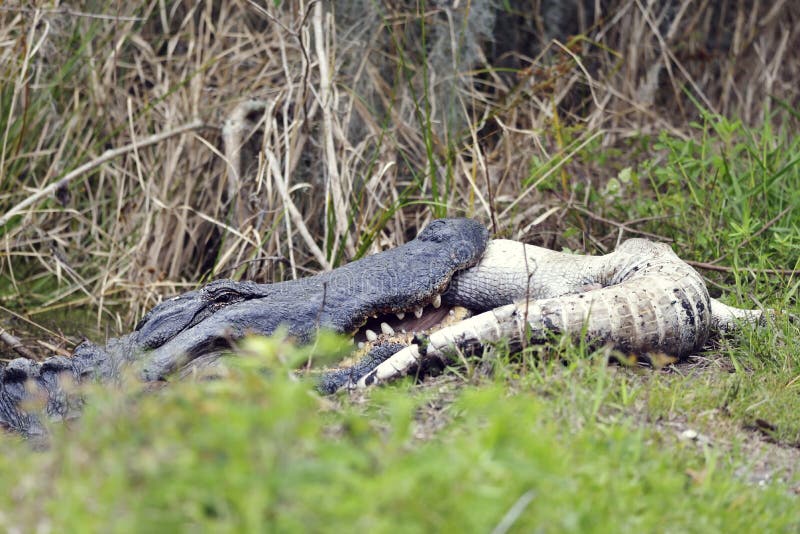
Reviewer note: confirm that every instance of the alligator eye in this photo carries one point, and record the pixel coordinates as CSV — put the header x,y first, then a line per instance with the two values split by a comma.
x,y
224,297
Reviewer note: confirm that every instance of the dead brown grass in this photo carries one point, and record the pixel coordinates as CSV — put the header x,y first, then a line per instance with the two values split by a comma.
x,y
329,131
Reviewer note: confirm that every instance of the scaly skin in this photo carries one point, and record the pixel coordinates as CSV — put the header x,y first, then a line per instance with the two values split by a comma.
x,y
203,323
641,298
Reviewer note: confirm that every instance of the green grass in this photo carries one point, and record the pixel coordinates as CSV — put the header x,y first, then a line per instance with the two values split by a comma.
x,y
256,451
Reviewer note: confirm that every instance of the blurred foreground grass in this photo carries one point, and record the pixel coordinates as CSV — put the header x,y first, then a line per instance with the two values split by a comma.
x,y
559,448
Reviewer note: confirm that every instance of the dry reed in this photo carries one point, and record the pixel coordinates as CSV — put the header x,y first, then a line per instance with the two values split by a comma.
x,y
346,127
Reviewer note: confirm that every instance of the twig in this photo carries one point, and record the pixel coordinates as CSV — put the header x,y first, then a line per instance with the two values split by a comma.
x,y
297,35
623,226
294,213
72,13
33,323
489,189
53,349
669,58
763,229
232,140
15,344
236,124
341,233
108,155
514,512
725,269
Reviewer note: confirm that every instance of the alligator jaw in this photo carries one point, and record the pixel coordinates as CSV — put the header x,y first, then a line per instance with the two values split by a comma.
x,y
372,351
399,280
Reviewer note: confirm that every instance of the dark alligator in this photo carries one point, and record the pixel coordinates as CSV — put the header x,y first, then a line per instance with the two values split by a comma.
x,y
202,324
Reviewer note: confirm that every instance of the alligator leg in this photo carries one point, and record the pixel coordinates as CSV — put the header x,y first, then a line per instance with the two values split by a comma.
x,y
726,318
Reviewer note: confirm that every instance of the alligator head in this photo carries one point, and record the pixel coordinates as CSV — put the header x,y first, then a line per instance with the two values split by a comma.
x,y
206,322
399,280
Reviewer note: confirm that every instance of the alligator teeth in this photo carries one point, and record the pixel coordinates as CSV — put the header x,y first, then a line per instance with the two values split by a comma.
x,y
360,344
418,312
371,336
452,313
386,329
437,301
401,315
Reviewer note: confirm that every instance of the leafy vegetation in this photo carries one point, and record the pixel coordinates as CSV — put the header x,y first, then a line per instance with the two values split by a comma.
x,y
562,448
575,149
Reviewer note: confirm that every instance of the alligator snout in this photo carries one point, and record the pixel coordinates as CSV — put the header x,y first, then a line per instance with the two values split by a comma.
x,y
399,280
